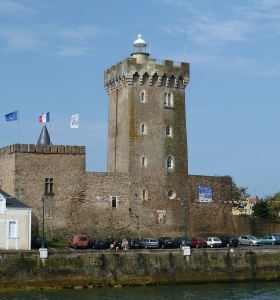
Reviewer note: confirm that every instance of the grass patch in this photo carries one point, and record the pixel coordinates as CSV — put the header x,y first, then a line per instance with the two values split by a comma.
x,y
64,243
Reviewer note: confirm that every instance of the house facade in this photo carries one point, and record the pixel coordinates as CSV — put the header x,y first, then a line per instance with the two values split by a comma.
x,y
15,223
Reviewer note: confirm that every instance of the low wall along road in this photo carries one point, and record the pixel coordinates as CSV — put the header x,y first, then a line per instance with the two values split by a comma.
x,y
24,270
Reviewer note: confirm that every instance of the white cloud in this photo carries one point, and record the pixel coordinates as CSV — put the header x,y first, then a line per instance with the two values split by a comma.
x,y
82,32
21,39
14,8
73,51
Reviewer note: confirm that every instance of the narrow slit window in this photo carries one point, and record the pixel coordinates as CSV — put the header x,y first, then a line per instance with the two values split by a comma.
x,y
169,162
114,202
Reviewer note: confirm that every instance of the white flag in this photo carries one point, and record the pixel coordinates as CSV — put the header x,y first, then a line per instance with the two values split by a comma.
x,y
75,121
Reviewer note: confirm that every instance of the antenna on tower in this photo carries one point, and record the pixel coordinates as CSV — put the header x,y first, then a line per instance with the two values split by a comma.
x,y
185,48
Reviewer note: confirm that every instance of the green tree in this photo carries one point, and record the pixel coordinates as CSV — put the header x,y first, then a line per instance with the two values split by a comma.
x,y
239,193
273,203
261,210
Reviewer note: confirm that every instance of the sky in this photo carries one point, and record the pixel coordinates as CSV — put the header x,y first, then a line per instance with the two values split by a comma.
x,y
53,55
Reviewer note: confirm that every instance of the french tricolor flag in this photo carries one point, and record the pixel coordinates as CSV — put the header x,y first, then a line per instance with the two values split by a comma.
x,y
46,117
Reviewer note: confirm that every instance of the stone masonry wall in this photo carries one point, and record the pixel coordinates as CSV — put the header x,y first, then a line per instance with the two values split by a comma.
x,y
221,187
7,167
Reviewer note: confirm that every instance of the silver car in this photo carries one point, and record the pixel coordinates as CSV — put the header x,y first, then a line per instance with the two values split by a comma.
x,y
149,243
249,240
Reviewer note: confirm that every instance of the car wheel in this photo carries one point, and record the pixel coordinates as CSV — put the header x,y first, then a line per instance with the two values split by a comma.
x,y
146,246
93,247
227,245
272,243
211,245
76,247
181,246
162,246
197,246
239,243
251,244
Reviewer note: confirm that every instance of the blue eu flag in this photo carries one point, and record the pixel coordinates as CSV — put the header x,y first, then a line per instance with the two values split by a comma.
x,y
12,116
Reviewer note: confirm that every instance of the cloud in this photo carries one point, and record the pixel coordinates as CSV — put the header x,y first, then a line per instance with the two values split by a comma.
x,y
73,51
21,39
14,8
81,33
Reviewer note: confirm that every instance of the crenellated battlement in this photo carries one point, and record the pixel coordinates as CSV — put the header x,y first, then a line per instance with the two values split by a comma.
x,y
52,149
124,72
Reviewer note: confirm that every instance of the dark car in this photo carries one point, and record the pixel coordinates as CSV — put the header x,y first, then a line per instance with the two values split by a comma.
x,y
36,242
198,242
113,243
133,243
179,242
165,242
229,241
96,243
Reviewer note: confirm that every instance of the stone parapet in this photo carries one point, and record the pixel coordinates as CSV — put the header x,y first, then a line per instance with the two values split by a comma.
x,y
122,74
31,148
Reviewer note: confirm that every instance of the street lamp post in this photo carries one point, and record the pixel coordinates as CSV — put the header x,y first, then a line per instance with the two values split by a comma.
x,y
43,223
184,202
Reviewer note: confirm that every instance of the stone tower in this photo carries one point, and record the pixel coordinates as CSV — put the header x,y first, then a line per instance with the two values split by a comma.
x,y
147,124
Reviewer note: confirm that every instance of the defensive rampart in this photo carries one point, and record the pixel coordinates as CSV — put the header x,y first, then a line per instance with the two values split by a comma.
x,y
89,269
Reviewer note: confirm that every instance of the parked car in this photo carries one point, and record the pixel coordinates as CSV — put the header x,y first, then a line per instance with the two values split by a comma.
x,y
229,241
274,234
198,242
149,243
113,243
213,242
79,241
271,240
179,242
165,242
133,243
249,240
36,242
96,243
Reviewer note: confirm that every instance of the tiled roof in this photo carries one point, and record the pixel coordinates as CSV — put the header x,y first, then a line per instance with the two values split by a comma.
x,y
12,202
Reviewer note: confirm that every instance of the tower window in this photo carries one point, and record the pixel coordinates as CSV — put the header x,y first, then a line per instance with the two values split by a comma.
x,y
170,163
144,161
49,186
144,194
171,194
143,97
114,202
168,99
143,128
168,130
165,98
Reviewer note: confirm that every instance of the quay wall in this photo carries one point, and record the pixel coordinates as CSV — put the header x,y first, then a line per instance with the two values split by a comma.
x,y
24,270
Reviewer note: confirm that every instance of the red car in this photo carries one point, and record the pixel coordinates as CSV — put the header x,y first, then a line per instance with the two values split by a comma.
x,y
198,242
79,241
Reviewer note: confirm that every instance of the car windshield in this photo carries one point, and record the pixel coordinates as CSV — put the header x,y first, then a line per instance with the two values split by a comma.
x,y
168,239
252,237
216,240
153,240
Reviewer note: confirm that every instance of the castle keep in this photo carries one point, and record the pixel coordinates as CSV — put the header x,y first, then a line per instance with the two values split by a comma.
x,y
147,164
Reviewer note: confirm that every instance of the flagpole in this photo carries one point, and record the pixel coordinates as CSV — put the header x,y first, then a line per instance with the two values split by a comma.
x,y
18,126
78,128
